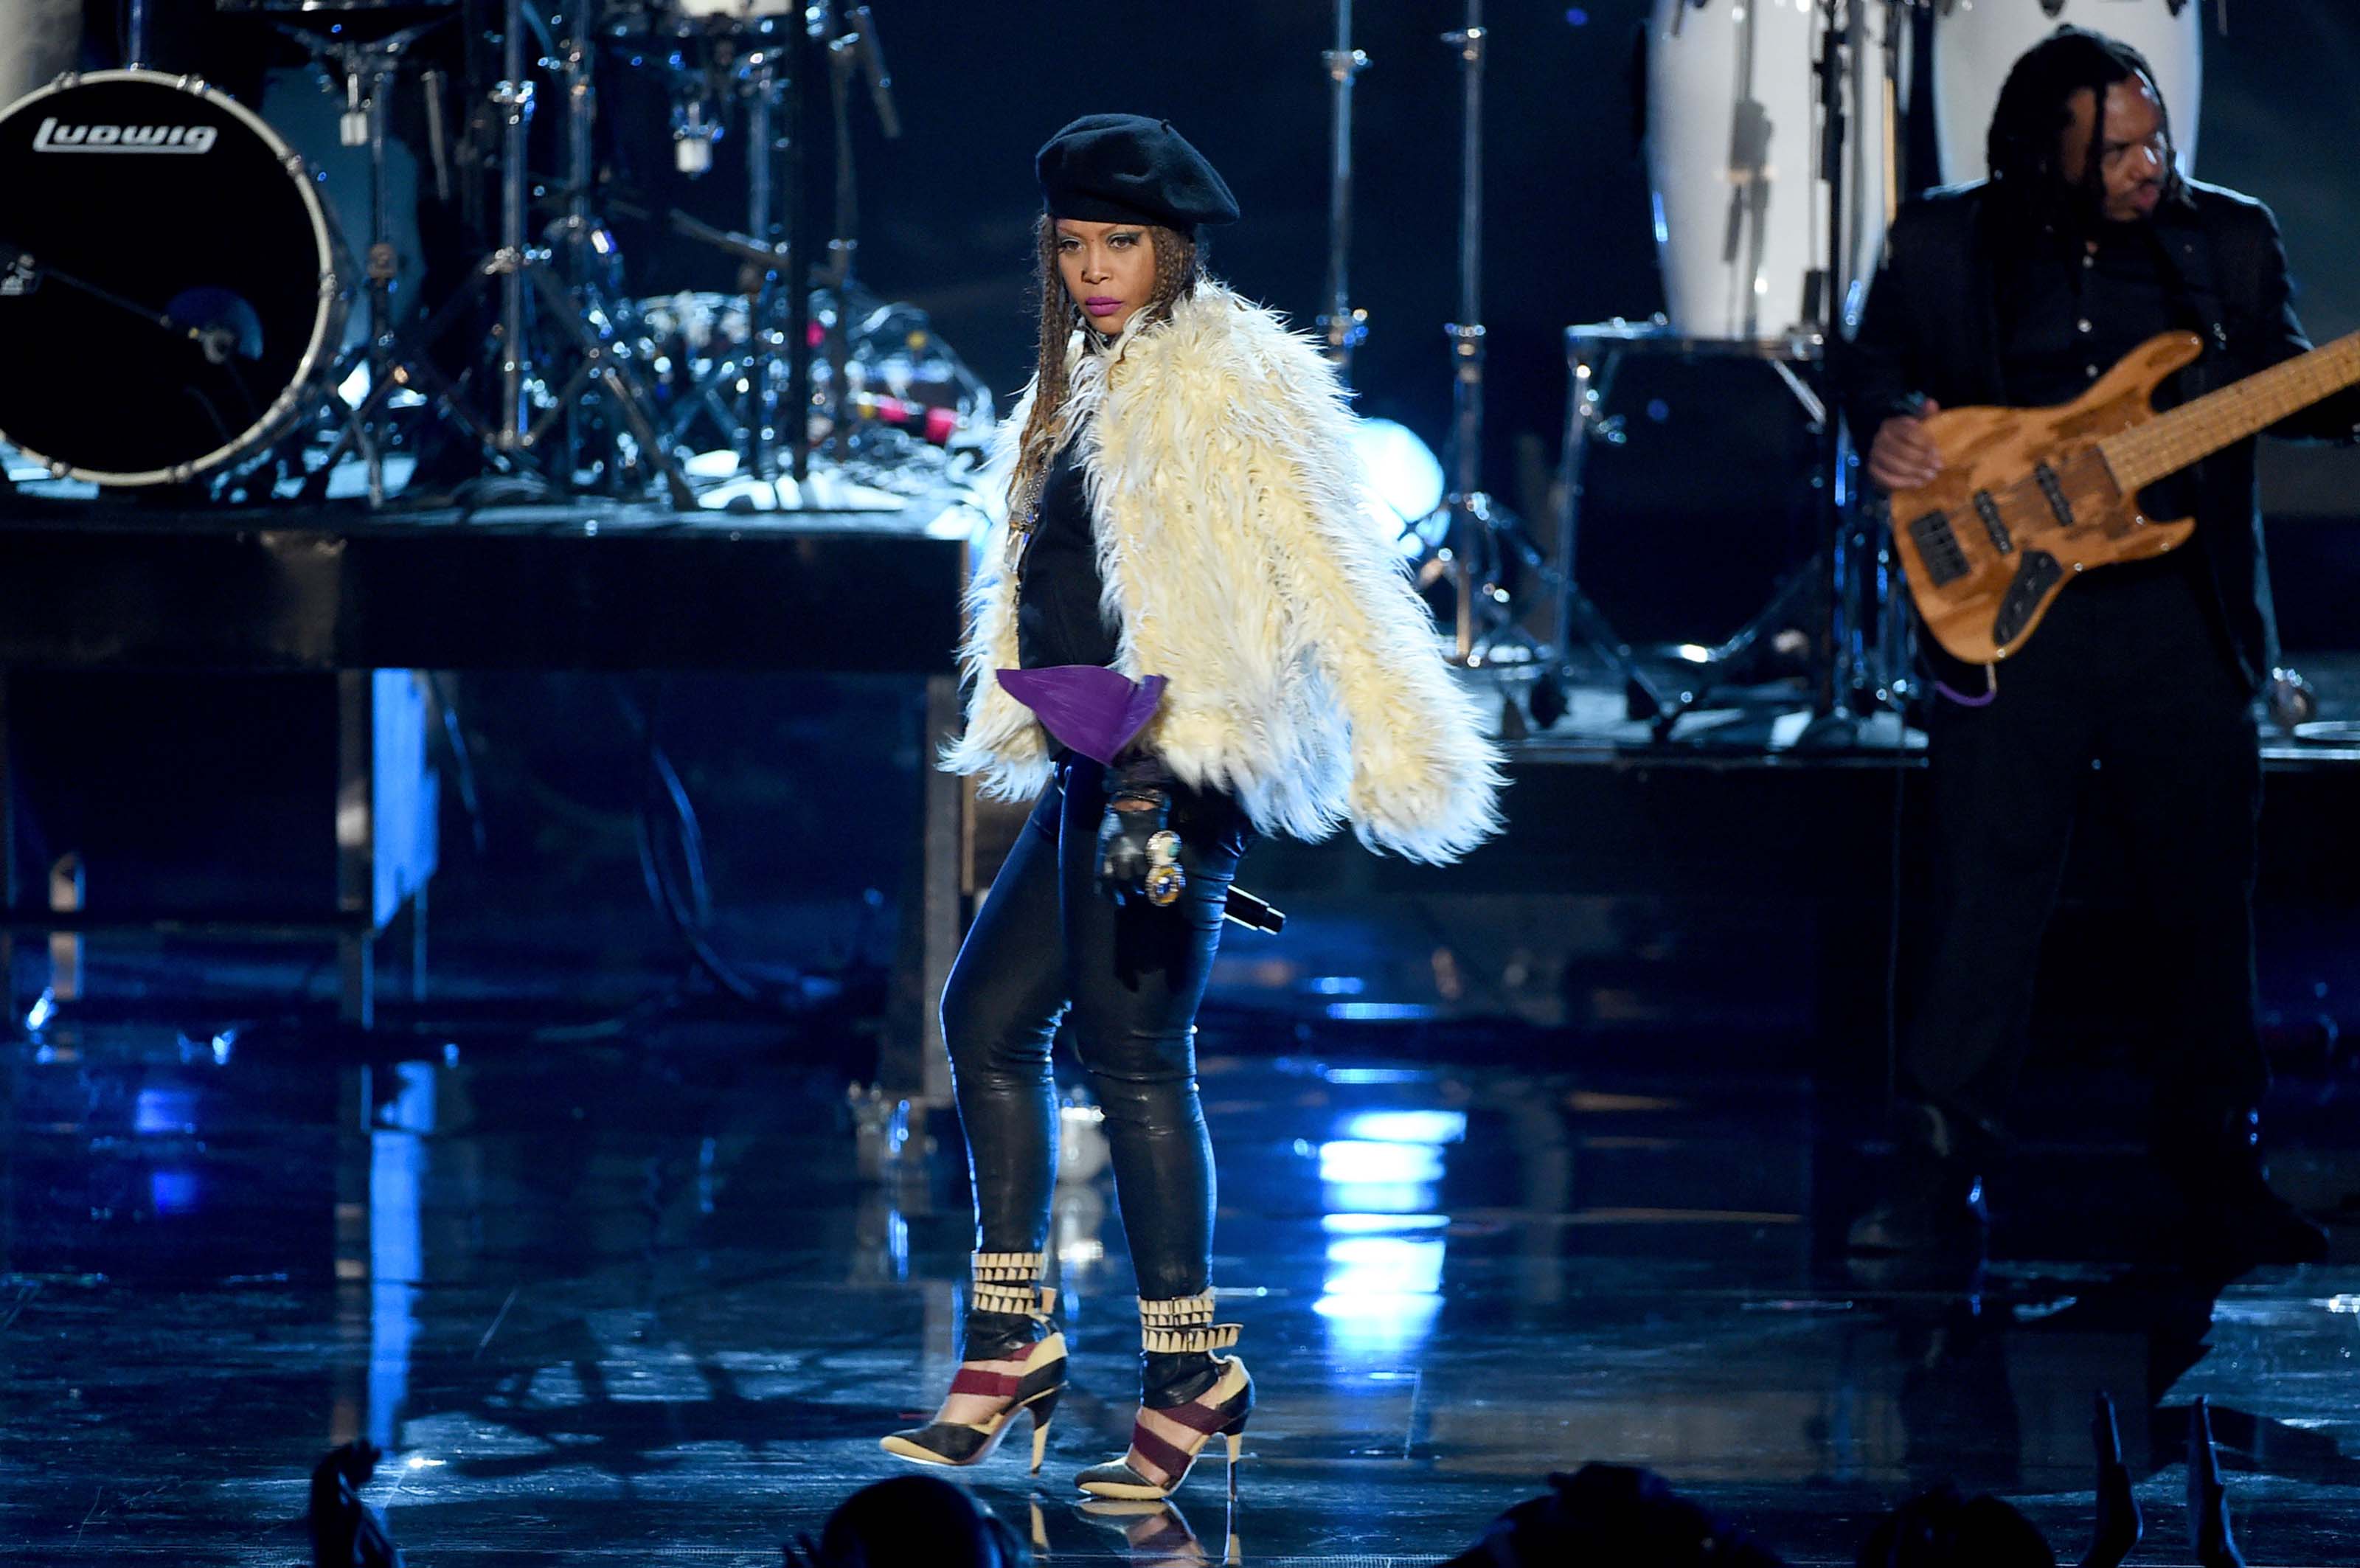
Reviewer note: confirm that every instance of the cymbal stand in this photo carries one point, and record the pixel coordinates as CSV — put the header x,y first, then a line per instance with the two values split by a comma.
x,y
365,70
1473,526
1344,328
584,237
514,439
766,91
513,96
797,342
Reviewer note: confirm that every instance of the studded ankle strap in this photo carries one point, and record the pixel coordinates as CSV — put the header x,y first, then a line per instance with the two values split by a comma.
x,y
1010,1282
1178,1325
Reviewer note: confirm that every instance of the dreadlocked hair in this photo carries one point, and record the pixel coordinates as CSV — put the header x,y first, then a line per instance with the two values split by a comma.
x,y
1179,267
2035,107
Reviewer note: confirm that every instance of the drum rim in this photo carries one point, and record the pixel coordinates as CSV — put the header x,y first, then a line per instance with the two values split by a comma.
x,y
326,312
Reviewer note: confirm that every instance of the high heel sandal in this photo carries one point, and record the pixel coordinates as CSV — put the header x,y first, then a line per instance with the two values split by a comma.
x,y
1180,1326
1154,1535
1007,1286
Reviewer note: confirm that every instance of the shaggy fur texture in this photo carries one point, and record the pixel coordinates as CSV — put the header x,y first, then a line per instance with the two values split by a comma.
x,y
1307,679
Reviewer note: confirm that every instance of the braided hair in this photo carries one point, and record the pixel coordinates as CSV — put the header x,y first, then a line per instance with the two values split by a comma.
x,y
1179,267
2024,146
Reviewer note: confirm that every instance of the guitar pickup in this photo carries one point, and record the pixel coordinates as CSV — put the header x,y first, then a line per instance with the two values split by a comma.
x,y
2036,574
1937,547
2053,490
1996,525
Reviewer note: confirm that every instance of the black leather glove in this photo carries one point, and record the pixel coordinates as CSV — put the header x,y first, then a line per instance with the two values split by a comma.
x,y
1139,854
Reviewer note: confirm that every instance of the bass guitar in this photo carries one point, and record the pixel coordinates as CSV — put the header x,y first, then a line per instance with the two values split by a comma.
x,y
2029,497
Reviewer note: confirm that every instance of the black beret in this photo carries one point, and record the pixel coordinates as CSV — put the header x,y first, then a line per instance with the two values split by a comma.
x,y
1127,168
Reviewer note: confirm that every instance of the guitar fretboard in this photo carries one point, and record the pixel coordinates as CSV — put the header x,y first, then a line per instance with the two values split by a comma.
x,y
2195,429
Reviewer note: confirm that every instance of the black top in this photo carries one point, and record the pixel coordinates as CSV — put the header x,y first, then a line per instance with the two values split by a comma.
x,y
2071,308
1058,619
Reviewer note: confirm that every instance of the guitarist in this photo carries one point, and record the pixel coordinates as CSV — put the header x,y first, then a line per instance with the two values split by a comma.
x,y
2021,292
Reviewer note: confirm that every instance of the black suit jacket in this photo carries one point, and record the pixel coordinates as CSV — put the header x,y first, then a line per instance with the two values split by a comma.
x,y
1931,326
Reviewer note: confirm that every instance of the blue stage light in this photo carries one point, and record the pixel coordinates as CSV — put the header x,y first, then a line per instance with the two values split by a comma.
x,y
1380,1225
1353,1161
1382,1011
1407,1126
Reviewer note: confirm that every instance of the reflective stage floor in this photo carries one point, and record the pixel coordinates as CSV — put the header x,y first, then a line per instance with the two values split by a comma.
x,y
610,1303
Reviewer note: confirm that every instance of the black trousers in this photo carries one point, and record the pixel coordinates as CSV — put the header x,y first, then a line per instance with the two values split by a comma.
x,y
1047,945
2127,671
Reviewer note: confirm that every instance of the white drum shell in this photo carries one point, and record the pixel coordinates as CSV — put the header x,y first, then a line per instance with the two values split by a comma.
x,y
39,42
737,8
1976,42
1734,157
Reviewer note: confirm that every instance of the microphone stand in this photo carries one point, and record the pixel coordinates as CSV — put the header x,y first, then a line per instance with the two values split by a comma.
x,y
1855,677
1843,664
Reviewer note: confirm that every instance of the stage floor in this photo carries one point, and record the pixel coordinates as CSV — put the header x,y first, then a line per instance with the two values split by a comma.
x,y
609,1299
1772,724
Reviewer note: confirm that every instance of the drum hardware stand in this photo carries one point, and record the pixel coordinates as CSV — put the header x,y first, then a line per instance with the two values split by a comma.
x,y
855,49
580,233
1858,559
368,69
1472,527
1344,328
1824,294
510,442
767,91
755,261
764,260
1593,354
817,19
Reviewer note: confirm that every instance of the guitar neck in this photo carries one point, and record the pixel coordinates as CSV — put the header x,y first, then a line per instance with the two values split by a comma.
x,y
2170,442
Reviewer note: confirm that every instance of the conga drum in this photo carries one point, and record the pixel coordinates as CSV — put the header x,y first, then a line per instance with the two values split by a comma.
x,y
42,41
1977,41
1734,157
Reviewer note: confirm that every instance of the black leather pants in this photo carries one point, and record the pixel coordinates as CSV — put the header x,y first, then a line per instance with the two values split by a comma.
x,y
2129,671
1046,942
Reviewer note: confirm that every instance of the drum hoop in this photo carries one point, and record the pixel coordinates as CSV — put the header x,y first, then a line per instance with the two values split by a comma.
x,y
324,314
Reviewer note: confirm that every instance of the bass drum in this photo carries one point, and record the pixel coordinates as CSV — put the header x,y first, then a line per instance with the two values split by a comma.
x,y
169,297
1733,153
1976,44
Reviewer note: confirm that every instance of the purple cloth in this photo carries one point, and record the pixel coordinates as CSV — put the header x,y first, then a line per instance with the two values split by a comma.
x,y
1094,710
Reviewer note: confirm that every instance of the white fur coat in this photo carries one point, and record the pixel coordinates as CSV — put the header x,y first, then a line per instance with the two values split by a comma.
x,y
1236,549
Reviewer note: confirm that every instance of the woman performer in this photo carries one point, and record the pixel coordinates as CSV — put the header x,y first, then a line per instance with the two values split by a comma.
x,y
1188,634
